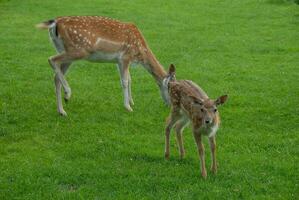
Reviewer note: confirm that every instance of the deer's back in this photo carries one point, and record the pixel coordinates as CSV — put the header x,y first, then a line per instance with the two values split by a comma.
x,y
181,93
184,89
89,31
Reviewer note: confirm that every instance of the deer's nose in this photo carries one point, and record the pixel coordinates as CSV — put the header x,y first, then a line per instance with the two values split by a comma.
x,y
208,121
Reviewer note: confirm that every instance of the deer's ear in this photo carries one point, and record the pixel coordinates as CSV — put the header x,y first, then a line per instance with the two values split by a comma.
x,y
171,69
196,101
221,100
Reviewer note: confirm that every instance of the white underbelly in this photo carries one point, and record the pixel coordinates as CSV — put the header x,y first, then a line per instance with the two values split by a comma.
x,y
99,56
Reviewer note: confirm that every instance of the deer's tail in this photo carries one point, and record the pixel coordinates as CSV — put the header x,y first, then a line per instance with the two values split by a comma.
x,y
46,24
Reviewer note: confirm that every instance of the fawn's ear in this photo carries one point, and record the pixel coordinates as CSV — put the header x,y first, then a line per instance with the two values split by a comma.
x,y
197,101
171,70
221,100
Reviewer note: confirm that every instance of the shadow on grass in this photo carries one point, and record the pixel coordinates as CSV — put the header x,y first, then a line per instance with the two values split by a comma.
x,y
160,159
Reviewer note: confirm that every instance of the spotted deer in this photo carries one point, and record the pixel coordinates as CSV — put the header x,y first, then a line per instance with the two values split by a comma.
x,y
101,39
190,103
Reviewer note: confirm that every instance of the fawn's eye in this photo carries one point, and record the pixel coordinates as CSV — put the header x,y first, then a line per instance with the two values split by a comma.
x,y
201,110
215,110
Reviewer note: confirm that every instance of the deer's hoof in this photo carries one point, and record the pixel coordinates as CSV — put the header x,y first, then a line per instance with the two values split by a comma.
x,y
67,96
214,170
62,113
204,174
166,155
131,102
128,108
182,156
66,100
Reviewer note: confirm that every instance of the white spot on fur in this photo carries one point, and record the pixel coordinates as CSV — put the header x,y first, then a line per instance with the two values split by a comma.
x,y
213,130
209,131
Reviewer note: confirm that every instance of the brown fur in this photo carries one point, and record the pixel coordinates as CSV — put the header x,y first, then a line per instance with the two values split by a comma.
x,y
87,37
89,28
190,103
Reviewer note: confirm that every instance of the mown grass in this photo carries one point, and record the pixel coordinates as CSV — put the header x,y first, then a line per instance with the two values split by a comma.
x,y
248,49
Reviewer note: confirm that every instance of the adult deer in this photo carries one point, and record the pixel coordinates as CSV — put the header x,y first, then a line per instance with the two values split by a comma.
x,y
190,103
101,39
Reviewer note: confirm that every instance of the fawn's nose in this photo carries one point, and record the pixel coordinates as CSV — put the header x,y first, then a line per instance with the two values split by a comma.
x,y
208,121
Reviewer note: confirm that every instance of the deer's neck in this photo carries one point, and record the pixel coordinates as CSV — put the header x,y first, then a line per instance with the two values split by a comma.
x,y
153,66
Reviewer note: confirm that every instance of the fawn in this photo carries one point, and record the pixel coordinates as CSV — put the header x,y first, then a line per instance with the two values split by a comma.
x,y
100,39
190,103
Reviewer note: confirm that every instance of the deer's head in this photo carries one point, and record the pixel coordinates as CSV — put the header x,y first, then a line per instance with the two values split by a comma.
x,y
164,87
206,110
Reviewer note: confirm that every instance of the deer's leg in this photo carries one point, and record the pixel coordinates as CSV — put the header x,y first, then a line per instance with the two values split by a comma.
x,y
58,96
60,64
57,82
130,91
57,62
212,141
179,127
201,152
170,121
64,68
124,75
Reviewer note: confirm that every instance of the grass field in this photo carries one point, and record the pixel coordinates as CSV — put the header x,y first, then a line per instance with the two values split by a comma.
x,y
248,49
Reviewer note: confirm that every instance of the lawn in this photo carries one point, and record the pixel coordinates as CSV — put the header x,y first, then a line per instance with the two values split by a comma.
x,y
248,49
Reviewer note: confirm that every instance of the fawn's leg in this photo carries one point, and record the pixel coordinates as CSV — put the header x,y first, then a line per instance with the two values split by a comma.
x,y
212,141
170,121
201,152
179,127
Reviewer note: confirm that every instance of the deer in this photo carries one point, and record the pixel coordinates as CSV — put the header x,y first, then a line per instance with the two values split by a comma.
x,y
104,40
189,103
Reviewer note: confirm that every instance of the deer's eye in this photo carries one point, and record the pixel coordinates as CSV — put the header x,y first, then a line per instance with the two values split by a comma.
x,y
215,110
201,109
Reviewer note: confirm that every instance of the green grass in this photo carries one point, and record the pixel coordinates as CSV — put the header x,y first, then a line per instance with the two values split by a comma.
x,y
248,49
